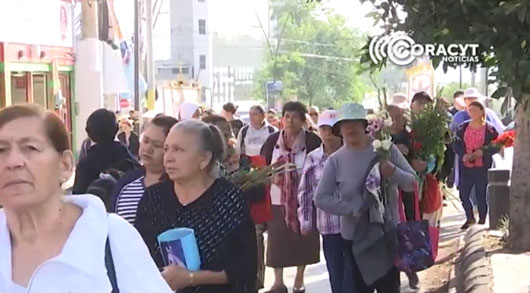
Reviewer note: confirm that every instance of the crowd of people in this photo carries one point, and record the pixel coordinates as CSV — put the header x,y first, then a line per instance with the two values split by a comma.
x,y
129,188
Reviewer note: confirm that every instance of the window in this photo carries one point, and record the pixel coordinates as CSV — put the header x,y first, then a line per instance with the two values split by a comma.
x,y
202,26
183,70
202,61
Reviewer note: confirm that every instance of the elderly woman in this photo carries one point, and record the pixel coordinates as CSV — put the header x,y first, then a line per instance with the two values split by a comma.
x,y
286,246
52,243
130,188
213,207
371,268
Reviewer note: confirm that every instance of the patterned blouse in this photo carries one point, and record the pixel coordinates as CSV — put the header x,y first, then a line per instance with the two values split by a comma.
x,y
474,139
224,230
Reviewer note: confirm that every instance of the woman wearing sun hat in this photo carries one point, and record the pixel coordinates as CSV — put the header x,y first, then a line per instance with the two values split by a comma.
x,y
371,268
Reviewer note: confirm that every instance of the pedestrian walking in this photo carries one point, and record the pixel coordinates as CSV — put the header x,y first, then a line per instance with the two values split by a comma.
x,y
251,137
402,140
327,224
107,153
369,262
273,120
189,111
229,112
131,187
127,137
475,160
286,246
314,114
53,243
230,162
249,142
213,207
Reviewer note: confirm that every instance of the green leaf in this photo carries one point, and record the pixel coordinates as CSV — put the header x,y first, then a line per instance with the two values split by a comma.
x,y
500,92
523,45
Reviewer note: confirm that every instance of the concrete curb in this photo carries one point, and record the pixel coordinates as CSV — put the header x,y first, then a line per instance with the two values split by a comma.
x,y
472,271
453,276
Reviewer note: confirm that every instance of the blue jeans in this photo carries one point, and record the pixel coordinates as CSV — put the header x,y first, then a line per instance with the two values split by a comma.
x,y
334,254
474,179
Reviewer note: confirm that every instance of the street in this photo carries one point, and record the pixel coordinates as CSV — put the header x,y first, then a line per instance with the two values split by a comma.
x,y
317,279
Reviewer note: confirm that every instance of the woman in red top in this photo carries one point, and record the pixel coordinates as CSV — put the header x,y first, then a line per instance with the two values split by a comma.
x,y
475,160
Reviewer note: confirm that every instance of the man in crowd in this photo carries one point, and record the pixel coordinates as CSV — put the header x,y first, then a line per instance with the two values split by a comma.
x,y
458,103
273,119
251,137
327,224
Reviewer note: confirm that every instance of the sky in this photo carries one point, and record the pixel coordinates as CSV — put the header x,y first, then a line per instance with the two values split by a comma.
x,y
227,23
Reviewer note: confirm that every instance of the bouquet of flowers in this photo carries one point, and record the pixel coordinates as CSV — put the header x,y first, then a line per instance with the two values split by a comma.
x,y
430,133
504,140
379,130
254,171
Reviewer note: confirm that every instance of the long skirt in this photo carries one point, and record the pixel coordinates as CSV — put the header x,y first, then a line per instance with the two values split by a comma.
x,y
286,248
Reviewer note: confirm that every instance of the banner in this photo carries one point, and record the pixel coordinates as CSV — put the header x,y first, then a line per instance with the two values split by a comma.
x,y
36,22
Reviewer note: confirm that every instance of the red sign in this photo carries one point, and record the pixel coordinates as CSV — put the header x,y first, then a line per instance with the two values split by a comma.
x,y
124,103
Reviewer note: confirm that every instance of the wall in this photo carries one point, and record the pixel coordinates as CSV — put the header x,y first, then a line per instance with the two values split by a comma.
x,y
182,31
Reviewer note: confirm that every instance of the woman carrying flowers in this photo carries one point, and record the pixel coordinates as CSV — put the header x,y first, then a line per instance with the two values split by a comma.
x,y
475,154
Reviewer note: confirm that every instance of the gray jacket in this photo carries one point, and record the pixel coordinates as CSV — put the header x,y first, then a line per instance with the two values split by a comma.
x,y
346,171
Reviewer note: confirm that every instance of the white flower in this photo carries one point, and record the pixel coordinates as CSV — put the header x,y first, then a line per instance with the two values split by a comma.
x,y
377,144
388,122
386,144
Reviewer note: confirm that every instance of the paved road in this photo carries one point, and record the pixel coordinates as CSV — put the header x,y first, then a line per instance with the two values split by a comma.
x,y
317,279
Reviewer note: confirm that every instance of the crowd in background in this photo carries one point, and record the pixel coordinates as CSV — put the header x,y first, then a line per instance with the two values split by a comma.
x,y
175,173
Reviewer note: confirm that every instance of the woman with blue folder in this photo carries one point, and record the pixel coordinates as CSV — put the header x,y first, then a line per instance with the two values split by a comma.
x,y
195,205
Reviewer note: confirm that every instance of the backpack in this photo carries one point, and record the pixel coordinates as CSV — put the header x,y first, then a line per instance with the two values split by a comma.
x,y
244,131
107,181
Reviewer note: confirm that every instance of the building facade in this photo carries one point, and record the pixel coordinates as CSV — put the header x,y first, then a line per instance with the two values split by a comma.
x,y
37,55
191,45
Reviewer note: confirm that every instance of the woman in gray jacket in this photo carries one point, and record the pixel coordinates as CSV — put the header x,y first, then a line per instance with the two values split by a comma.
x,y
346,170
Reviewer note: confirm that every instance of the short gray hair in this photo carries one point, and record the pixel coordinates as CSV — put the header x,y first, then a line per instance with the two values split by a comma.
x,y
210,138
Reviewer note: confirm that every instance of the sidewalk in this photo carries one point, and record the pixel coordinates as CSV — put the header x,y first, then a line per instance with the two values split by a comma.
x,y
317,278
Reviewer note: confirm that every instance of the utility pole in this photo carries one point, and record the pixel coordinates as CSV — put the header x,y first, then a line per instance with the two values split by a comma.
x,y
150,59
88,70
137,20
89,23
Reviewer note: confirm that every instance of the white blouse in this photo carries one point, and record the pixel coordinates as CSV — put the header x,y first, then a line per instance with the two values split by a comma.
x,y
80,267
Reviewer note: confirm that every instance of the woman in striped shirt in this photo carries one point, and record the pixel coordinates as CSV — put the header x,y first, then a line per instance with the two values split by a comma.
x,y
131,187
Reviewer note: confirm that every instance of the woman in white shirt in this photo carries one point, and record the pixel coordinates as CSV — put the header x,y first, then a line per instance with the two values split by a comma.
x,y
51,243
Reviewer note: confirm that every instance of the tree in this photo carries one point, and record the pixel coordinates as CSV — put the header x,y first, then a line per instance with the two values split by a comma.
x,y
314,56
502,29
450,89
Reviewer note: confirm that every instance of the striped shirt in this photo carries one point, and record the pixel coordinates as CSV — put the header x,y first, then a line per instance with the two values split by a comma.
x,y
128,199
327,223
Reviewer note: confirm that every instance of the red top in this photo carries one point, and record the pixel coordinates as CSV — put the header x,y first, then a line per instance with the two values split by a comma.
x,y
474,139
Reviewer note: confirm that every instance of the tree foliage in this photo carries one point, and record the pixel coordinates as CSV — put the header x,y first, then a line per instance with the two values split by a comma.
x,y
316,56
502,31
449,89
501,28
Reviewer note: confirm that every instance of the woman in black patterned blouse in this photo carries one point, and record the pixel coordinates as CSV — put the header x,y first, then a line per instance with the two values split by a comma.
x,y
214,208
